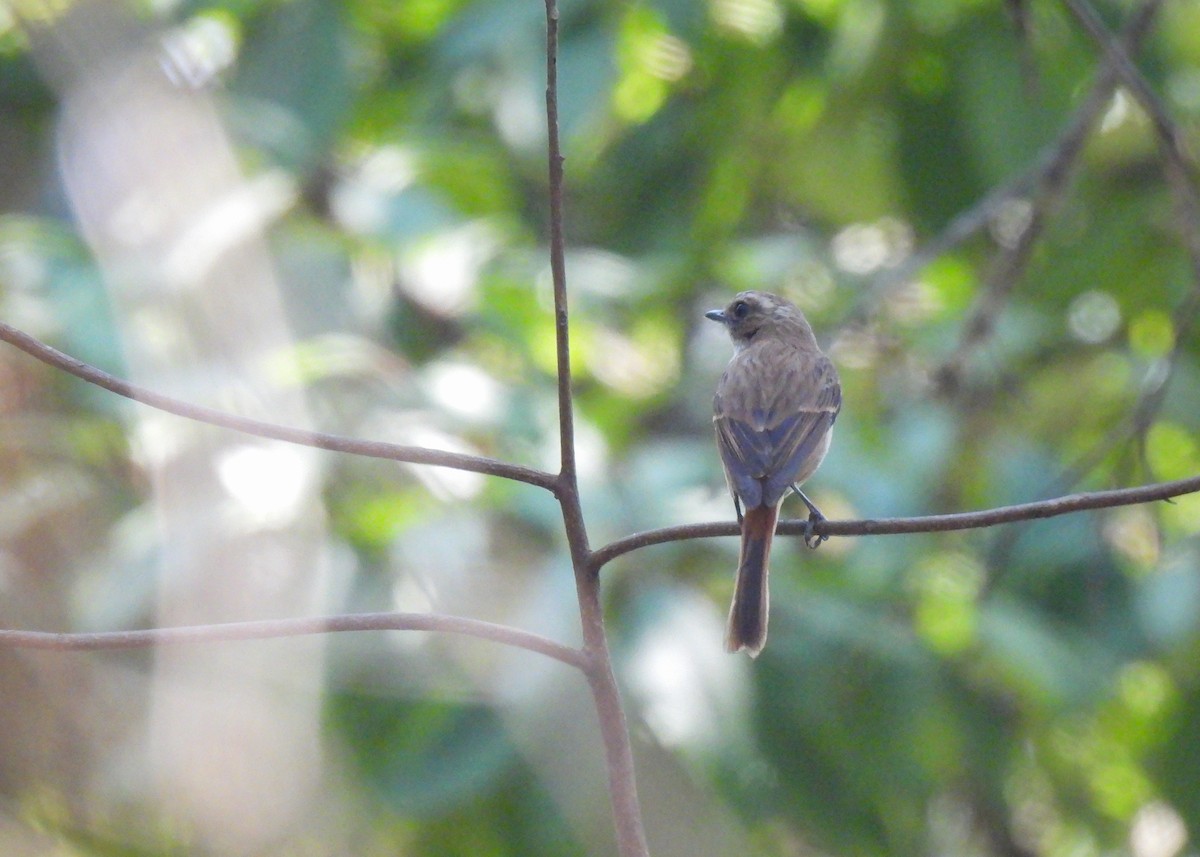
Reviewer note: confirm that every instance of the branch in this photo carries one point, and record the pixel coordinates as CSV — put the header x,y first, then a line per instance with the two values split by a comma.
x,y
1119,61
927,524
1050,185
614,731
1119,66
1052,161
558,265
1177,169
1172,149
269,629
304,437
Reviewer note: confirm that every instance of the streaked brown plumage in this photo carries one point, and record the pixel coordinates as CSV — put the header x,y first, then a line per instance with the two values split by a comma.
x,y
773,413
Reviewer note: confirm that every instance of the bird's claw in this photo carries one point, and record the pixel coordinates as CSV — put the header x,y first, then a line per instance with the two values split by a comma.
x,y
813,540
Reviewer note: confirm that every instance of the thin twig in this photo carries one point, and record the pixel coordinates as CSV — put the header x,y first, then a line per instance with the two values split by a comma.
x,y
926,524
558,265
270,629
1051,184
1118,59
304,437
1120,67
1051,162
1176,166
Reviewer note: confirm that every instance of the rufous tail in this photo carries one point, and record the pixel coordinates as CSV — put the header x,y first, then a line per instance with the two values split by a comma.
x,y
748,616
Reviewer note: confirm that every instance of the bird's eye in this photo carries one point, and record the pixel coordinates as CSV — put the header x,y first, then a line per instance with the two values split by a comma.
x,y
740,309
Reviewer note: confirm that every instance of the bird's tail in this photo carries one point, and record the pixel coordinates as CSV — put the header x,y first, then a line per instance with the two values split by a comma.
x,y
748,616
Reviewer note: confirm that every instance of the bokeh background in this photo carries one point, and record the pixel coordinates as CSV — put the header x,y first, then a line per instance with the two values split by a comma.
x,y
334,215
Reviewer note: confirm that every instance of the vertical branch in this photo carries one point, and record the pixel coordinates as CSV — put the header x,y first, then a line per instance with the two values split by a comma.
x,y
558,267
614,732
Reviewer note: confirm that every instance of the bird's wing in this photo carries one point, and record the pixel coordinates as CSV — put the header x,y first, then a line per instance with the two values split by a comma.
x,y
769,426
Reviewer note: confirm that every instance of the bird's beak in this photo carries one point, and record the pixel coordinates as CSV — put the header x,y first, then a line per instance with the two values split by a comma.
x,y
716,315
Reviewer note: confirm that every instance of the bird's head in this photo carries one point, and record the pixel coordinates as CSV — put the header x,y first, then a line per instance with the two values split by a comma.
x,y
751,313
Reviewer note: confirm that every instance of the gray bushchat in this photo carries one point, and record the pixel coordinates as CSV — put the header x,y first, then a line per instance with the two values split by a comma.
x,y
773,413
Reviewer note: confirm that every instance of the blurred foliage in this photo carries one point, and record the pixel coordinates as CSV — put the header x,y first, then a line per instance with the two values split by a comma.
x,y
1032,690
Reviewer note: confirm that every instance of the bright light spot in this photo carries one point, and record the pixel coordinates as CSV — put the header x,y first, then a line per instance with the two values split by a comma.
x,y
388,169
677,714
946,615
687,681
855,349
155,439
857,36
600,272
43,11
638,96
864,248
362,201
411,594
1172,451
135,220
268,482
358,208
1184,514
913,302
699,504
518,115
1157,831
591,452
1093,317
951,574
21,267
649,59
666,57
859,249
464,389
637,369
825,11
1152,334
372,276
196,53
1118,112
1010,222
230,220
758,21
1132,532
441,273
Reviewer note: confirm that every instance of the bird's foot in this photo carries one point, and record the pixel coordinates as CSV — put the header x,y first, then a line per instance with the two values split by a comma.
x,y
811,539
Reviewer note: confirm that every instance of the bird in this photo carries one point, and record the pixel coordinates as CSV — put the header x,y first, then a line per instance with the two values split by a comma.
x,y
773,413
